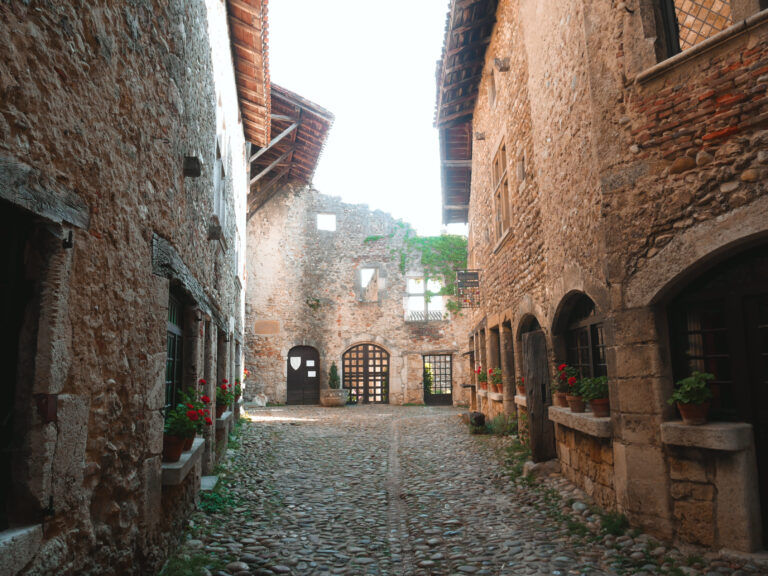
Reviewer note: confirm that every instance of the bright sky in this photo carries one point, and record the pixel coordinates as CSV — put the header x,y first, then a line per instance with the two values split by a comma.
x,y
372,64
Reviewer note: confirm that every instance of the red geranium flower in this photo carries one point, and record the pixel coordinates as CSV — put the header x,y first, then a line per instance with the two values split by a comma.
x,y
571,380
202,381
225,381
562,367
201,411
478,370
208,421
190,406
563,375
205,399
192,415
522,379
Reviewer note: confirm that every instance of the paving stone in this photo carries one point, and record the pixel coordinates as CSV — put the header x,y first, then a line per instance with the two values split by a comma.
x,y
334,495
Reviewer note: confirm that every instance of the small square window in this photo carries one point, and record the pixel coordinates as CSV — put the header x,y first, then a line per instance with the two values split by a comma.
x,y
326,222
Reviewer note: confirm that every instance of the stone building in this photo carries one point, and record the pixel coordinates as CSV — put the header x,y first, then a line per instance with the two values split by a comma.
x,y
125,131
334,282
611,160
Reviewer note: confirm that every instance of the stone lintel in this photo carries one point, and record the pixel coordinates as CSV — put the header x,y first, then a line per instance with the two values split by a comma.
x,y
496,396
482,393
584,422
175,472
224,421
18,546
521,400
725,436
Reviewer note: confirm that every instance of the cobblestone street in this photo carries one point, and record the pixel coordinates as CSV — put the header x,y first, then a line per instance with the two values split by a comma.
x,y
403,490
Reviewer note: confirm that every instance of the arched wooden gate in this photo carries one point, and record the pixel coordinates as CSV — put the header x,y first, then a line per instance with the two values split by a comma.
x,y
366,373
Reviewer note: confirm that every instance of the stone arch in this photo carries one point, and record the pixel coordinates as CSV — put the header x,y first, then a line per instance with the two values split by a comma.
x,y
367,372
695,250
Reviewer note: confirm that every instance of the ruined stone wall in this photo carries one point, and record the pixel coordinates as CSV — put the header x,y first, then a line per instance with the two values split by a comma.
x,y
101,104
303,289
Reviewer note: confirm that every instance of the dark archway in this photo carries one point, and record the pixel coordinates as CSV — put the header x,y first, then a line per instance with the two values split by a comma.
x,y
366,373
718,323
579,335
303,376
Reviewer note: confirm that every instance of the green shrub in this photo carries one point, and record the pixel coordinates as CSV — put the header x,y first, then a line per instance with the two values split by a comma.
x,y
503,425
614,523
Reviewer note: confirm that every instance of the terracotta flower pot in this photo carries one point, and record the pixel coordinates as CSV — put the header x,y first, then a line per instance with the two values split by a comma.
x,y
520,390
173,446
694,414
576,403
188,443
220,409
560,400
483,385
600,407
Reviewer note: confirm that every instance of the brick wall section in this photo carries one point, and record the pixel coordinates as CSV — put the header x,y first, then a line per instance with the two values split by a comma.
x,y
292,264
105,102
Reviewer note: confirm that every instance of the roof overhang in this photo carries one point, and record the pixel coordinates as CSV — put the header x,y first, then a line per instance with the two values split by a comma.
x,y
249,36
299,129
467,34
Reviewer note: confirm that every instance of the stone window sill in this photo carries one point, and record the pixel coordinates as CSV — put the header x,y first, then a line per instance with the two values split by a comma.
x,y
223,422
175,472
503,240
702,47
521,400
584,422
18,546
482,393
724,436
496,396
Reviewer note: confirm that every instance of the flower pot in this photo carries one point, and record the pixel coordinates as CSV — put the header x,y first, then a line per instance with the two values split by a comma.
x,y
220,409
483,385
334,397
520,390
600,407
188,443
237,398
173,446
560,400
495,388
576,403
694,414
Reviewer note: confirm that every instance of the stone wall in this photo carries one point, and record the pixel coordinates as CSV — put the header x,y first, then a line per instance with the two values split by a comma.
x,y
587,461
99,105
304,289
637,173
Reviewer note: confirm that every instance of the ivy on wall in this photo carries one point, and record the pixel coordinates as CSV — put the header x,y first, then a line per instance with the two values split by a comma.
x,y
440,257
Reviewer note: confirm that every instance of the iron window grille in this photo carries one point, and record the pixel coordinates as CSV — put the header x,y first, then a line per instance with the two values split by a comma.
x,y
438,369
688,22
174,356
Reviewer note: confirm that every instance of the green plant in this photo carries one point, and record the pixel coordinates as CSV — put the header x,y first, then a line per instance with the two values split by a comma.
x,y
185,420
482,375
197,564
333,377
613,523
692,390
427,379
494,375
238,391
503,425
594,388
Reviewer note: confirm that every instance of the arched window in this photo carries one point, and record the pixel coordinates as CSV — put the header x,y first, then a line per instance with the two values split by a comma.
x,y
585,338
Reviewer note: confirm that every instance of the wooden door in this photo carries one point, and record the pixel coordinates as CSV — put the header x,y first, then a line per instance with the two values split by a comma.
x,y
303,376
365,370
542,430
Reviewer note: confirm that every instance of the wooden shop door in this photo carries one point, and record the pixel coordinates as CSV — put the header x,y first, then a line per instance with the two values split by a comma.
x,y
542,430
303,375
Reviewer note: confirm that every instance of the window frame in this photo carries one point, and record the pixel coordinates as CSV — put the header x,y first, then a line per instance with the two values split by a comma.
x,y
501,198
410,314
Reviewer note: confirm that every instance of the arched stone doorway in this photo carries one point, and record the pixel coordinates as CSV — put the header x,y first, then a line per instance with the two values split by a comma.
x,y
303,376
365,372
718,323
535,369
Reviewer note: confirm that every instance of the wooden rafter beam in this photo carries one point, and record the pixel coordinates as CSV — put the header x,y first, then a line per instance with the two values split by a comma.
x,y
267,192
269,168
283,118
275,140
245,7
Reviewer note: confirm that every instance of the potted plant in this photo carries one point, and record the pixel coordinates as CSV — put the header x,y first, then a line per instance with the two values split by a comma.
x,y
494,375
595,390
225,395
201,405
482,378
573,396
181,422
334,395
560,384
238,391
692,396
520,385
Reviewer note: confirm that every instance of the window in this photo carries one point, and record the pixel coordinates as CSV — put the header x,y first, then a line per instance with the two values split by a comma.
x,y
173,361
219,179
689,22
423,305
492,89
501,191
326,222
369,284
585,339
